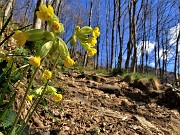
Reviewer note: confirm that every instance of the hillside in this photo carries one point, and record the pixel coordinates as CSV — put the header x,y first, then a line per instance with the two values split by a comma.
x,y
105,105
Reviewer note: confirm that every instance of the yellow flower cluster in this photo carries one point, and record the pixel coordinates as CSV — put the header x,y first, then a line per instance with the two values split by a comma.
x,y
45,13
20,37
57,27
68,62
57,97
87,37
91,51
30,97
35,61
96,32
47,74
92,41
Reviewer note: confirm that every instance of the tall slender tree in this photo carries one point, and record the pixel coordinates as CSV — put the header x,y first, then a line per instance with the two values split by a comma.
x,y
8,7
36,21
113,37
85,62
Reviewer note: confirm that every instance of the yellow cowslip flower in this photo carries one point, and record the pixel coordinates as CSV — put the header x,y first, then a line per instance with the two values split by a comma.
x,y
57,97
35,61
30,97
57,27
77,28
68,62
47,74
91,51
92,41
20,37
45,13
96,32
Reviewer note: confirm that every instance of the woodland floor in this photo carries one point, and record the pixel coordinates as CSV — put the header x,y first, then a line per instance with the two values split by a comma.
x,y
105,105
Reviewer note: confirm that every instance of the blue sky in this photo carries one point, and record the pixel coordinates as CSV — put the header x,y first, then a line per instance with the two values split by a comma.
x,y
80,8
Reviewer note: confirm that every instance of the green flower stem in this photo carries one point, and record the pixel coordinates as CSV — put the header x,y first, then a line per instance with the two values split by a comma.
x,y
23,102
23,122
29,115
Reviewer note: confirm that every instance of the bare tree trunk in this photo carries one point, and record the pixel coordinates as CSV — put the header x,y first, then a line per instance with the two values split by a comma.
x,y
134,58
163,61
120,36
176,60
37,22
107,35
98,40
157,42
113,38
144,47
8,7
85,62
135,20
129,44
58,8
116,49
26,11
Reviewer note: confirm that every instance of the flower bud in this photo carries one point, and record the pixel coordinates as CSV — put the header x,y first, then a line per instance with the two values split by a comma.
x,y
50,90
35,34
85,45
82,37
39,90
45,49
86,30
62,48
73,41
49,35
57,27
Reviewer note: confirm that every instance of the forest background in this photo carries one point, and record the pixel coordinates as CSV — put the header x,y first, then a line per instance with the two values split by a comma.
x,y
135,34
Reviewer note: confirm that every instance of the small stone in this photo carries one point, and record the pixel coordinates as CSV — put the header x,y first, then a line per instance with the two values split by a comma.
x,y
66,128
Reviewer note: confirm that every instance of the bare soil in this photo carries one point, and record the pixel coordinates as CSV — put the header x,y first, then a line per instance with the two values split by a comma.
x,y
97,104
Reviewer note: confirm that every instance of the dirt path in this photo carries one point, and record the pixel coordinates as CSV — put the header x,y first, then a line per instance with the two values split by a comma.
x,y
99,104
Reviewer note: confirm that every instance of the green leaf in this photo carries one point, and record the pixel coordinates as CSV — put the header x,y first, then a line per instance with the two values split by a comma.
x,y
8,118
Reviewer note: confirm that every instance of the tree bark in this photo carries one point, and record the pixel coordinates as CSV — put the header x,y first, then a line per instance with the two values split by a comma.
x,y
98,40
8,8
113,38
37,22
85,62
176,60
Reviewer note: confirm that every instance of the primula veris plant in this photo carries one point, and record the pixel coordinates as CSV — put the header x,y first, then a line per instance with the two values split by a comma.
x,y
47,74
96,32
30,97
45,13
92,41
57,97
91,51
20,37
35,61
52,49
68,62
